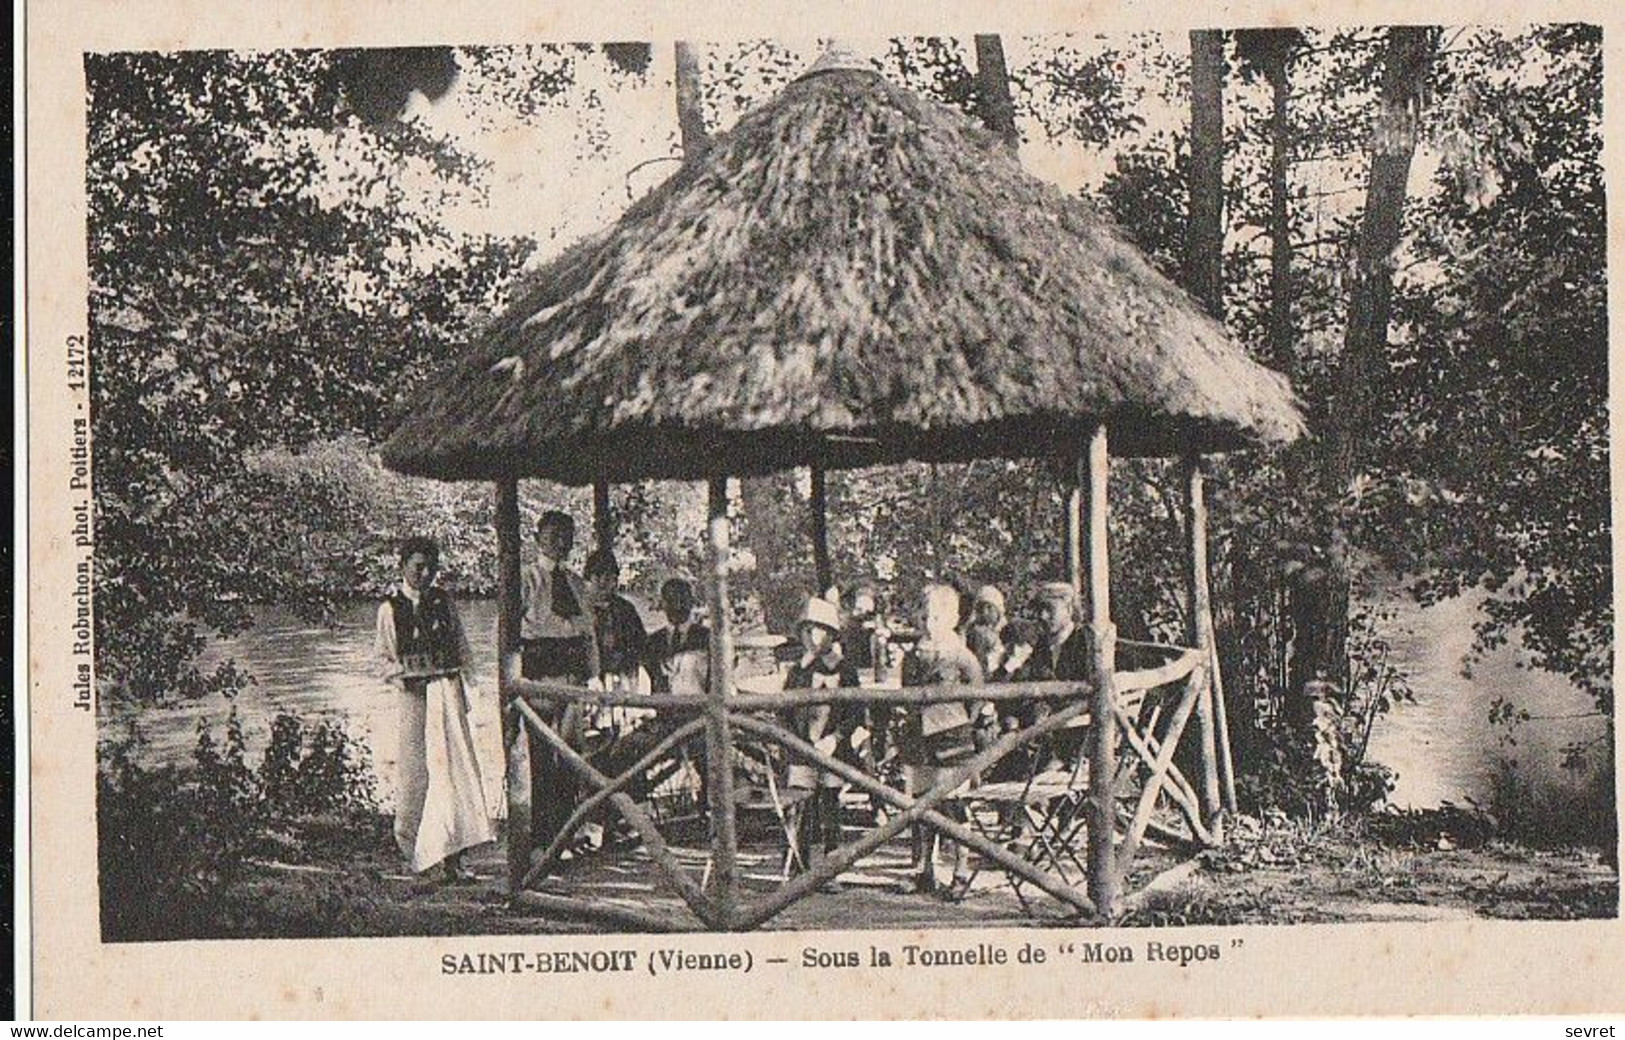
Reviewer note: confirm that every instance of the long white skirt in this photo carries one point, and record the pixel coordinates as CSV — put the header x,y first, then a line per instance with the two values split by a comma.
x,y
441,808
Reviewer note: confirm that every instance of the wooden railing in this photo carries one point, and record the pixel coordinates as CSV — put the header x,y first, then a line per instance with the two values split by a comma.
x,y
718,906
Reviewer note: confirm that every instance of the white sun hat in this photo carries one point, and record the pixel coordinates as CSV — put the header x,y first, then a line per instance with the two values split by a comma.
x,y
820,611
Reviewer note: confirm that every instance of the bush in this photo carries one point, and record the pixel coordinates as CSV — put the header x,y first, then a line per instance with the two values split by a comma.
x,y
173,842
316,770
1316,765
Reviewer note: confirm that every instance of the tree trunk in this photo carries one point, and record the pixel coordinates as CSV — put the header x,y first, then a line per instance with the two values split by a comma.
x,y
818,505
1269,53
1322,634
1282,347
690,110
1393,146
770,530
1204,243
993,101
1204,273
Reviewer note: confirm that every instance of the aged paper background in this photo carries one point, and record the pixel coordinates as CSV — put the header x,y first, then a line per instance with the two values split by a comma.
x,y
1486,967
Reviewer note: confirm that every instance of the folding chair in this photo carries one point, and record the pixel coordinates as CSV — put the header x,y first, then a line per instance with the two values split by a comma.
x,y
1044,814
616,737
1037,813
757,788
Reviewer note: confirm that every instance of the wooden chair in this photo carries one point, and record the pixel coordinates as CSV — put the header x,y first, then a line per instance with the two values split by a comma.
x,y
1039,813
1043,814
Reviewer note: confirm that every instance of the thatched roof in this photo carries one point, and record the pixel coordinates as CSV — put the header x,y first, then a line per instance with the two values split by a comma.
x,y
852,275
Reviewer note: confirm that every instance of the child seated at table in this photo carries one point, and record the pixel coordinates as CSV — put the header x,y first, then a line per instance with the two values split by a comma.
x,y
940,735
866,640
830,728
861,627
678,656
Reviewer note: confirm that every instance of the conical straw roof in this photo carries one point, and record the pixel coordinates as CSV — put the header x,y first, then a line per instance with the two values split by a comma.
x,y
852,275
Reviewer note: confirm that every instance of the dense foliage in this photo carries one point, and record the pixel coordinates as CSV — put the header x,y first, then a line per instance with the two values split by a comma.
x,y
260,277
1494,450
174,840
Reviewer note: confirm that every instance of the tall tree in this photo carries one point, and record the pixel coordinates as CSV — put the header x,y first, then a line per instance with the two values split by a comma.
x,y
766,522
217,183
1409,54
1269,52
1505,320
690,104
993,100
1322,631
1204,242
1499,323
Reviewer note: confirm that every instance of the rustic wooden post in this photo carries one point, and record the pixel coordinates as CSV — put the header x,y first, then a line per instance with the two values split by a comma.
x,y
1103,875
603,518
1200,625
718,736
1073,524
1227,764
510,608
820,531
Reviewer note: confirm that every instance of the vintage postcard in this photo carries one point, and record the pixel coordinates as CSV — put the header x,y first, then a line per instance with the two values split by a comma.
x,y
961,510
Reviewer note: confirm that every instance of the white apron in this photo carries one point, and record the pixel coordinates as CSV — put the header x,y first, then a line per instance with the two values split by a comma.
x,y
441,807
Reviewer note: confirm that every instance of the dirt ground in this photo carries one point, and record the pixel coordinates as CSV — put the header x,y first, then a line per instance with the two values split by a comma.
x,y
1341,878
1278,873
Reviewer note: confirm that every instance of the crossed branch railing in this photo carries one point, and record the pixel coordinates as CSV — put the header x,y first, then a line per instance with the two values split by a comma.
x,y
717,906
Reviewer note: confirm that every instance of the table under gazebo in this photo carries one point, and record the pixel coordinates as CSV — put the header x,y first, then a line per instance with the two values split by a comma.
x,y
854,276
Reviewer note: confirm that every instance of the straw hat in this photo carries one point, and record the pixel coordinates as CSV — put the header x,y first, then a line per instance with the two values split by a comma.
x,y
819,611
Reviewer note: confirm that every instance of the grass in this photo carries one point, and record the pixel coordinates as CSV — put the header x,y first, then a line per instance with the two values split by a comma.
x,y
1399,866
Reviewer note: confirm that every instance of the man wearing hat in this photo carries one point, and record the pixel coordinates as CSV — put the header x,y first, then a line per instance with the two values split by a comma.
x,y
823,664
1063,653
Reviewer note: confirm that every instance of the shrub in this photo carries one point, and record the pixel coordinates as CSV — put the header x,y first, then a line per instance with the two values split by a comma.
x,y
315,770
1317,765
173,842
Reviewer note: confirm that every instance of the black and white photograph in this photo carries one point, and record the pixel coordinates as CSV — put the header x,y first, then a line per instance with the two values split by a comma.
x,y
1069,481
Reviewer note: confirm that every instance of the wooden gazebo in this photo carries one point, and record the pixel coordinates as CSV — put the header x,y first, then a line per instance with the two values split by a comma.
x,y
855,276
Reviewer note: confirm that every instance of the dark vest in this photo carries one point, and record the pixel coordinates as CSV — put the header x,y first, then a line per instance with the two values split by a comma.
x,y
621,636
425,633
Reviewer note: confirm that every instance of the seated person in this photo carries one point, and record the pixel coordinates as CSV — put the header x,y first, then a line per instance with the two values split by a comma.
x,y
1063,649
1063,652
937,736
618,736
866,641
861,627
828,727
678,656
1020,636
985,633
617,626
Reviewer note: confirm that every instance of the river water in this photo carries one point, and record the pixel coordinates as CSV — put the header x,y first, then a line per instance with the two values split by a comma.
x,y
1444,747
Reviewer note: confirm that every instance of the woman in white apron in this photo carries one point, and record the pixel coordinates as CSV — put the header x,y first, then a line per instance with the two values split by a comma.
x,y
440,807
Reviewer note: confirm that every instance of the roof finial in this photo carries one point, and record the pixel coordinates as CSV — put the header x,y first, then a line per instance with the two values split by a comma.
x,y
839,54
